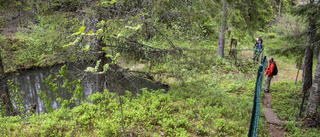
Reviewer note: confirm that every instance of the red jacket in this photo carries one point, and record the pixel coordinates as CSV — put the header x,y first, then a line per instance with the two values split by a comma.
x,y
270,69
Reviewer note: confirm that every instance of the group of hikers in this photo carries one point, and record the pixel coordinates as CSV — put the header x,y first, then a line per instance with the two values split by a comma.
x,y
272,69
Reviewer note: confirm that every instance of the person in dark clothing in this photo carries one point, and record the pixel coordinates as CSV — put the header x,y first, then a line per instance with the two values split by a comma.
x,y
269,74
258,50
261,41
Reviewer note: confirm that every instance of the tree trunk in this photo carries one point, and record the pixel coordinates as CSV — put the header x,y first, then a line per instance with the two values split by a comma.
x,y
308,56
280,8
314,97
5,95
307,69
9,106
1,66
222,31
100,78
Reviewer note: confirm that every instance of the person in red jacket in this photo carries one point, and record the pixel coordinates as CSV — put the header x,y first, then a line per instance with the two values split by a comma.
x,y
269,74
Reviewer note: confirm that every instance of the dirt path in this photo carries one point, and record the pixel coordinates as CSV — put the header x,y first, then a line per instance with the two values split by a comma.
x,y
273,122
288,72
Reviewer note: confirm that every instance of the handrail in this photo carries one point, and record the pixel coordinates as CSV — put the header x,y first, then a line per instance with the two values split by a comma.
x,y
253,130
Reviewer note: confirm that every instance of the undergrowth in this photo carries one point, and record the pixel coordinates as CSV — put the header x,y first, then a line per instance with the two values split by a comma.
x,y
210,105
286,101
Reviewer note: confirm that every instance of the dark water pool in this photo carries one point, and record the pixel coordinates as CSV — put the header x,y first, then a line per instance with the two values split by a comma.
x,y
31,82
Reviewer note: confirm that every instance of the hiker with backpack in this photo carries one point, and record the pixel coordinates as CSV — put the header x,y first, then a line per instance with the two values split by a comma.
x,y
272,70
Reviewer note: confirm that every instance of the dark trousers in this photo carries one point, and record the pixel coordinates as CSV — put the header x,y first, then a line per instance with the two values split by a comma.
x,y
257,53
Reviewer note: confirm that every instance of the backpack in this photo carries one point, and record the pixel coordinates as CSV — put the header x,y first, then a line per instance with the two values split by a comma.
x,y
275,70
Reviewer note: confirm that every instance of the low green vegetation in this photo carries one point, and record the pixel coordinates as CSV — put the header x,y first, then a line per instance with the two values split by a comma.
x,y
210,104
286,101
175,42
286,95
40,44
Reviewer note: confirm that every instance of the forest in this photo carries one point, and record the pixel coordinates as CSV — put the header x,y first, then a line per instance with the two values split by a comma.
x,y
160,68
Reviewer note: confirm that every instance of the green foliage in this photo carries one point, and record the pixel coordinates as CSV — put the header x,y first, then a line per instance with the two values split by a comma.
x,y
201,107
105,66
209,96
288,25
286,101
40,43
250,16
46,101
108,3
296,130
95,69
289,44
18,95
272,35
73,87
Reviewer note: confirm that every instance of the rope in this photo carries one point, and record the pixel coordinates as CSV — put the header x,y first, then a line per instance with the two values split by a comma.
x,y
253,130
244,49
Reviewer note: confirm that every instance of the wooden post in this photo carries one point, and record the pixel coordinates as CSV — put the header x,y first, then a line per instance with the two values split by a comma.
x,y
297,76
299,67
301,107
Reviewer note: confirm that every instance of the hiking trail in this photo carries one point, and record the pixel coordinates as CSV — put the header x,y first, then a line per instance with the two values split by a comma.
x,y
273,122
